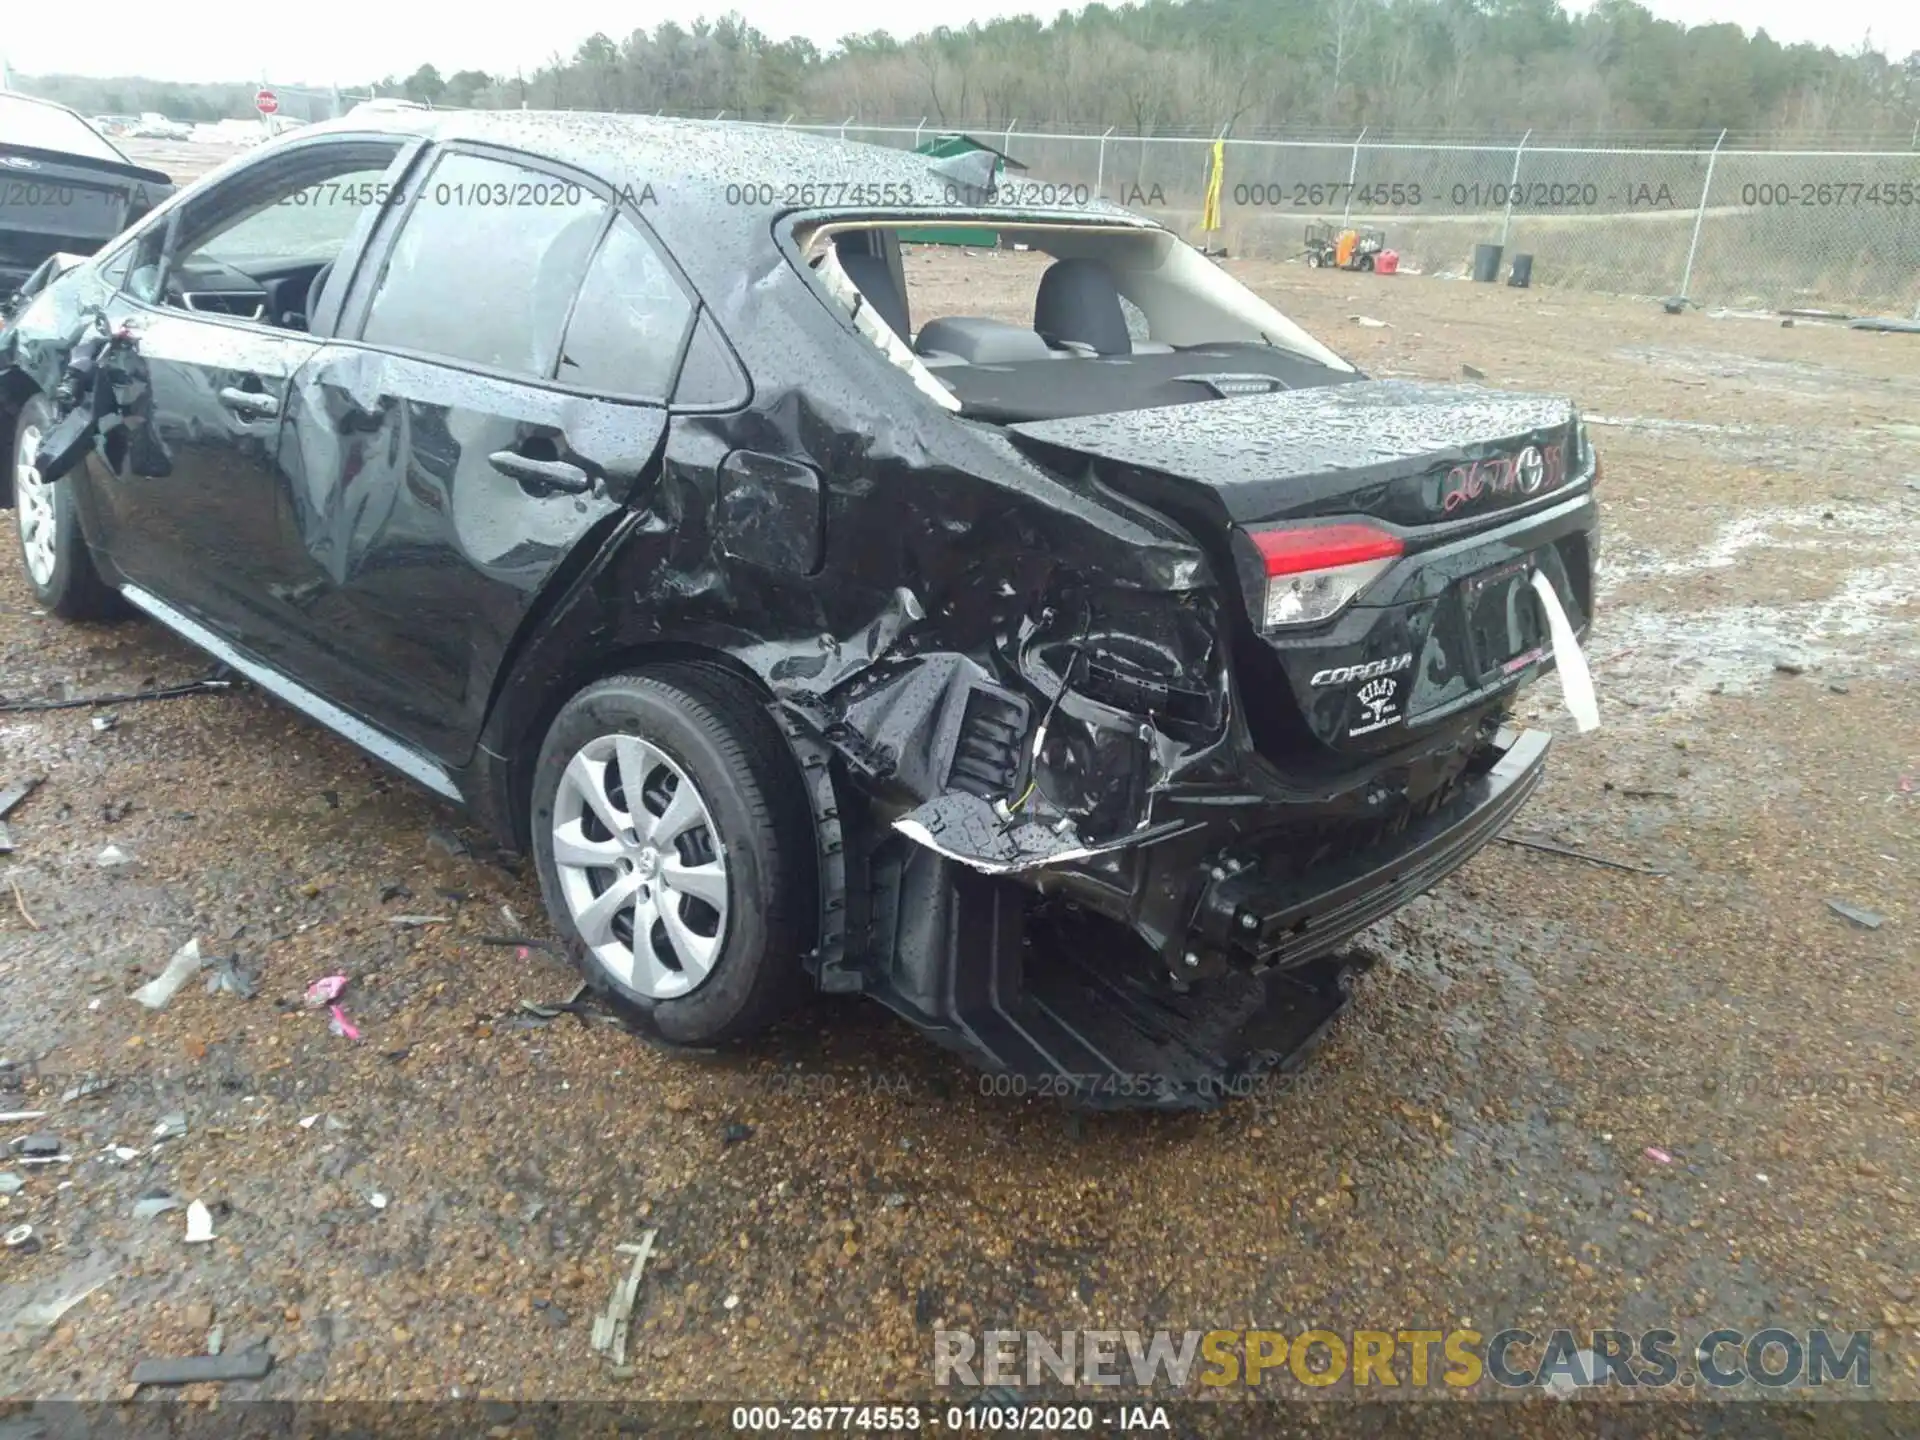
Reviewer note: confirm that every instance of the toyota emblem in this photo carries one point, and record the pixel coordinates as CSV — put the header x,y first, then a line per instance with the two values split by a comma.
x,y
1531,469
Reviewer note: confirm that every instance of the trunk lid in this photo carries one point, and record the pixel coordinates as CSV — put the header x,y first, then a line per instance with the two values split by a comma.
x,y
1468,491
1385,448
51,202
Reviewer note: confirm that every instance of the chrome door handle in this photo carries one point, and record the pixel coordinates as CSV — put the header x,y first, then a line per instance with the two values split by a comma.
x,y
542,477
250,403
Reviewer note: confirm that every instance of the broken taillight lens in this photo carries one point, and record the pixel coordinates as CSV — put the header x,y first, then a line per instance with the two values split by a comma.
x,y
1314,572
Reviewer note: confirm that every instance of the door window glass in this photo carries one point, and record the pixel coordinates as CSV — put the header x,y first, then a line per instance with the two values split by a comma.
x,y
486,266
310,223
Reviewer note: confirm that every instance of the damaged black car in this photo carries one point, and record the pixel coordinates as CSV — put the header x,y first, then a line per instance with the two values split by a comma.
x,y
1077,682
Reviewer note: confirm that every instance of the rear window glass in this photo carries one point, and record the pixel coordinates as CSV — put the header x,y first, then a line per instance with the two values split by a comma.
x,y
47,127
628,326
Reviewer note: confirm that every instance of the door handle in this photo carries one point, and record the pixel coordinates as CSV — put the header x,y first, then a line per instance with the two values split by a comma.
x,y
251,403
542,477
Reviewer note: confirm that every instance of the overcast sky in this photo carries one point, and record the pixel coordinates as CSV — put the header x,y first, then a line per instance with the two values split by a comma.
x,y
351,45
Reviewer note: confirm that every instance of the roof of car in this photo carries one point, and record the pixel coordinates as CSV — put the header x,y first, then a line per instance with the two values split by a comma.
x,y
732,165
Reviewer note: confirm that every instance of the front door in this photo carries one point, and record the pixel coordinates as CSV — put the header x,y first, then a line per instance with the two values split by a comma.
x,y
186,486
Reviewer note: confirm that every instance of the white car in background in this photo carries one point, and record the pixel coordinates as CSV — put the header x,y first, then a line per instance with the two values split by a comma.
x,y
154,126
384,105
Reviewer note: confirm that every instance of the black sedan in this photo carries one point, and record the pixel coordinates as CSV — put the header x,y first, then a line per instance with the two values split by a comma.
x,y
1076,685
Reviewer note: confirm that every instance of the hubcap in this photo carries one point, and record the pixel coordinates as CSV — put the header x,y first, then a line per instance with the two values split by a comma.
x,y
641,867
33,503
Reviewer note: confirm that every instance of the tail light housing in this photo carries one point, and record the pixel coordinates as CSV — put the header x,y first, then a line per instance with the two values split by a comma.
x,y
1313,572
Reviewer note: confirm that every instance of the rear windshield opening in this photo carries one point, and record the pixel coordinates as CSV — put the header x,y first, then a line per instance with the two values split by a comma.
x,y
1048,321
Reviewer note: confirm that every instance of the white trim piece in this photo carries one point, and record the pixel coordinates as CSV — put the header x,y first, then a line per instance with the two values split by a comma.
x,y
398,754
867,320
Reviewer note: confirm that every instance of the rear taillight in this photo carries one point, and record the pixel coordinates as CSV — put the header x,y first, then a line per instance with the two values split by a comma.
x,y
1314,572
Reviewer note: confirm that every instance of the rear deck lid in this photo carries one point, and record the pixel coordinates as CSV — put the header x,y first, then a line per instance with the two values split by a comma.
x,y
51,202
1402,451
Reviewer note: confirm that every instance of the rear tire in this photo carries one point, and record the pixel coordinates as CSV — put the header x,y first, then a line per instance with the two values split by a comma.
x,y
53,551
693,905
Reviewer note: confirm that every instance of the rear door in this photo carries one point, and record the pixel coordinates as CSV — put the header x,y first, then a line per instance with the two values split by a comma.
x,y
496,396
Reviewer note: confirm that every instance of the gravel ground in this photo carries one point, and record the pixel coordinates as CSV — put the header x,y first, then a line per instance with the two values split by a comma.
x,y
434,1208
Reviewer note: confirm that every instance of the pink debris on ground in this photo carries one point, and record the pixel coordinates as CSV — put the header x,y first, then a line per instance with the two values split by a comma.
x,y
325,990
1654,1152
340,1025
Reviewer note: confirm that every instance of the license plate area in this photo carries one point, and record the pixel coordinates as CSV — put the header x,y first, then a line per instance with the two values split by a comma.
x,y
1506,628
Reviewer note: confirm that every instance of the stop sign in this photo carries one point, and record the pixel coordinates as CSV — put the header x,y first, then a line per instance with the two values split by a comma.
x,y
266,102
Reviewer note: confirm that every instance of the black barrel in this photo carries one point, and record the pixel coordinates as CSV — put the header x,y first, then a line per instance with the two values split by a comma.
x,y
1522,273
1486,263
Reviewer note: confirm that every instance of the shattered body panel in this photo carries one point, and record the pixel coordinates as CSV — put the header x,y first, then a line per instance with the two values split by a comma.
x,y
1022,669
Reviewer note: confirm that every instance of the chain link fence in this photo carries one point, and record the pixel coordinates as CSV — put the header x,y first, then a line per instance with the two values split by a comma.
x,y
1777,228
1741,228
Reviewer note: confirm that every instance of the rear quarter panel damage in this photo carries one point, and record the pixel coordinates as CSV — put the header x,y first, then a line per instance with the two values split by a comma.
x,y
922,651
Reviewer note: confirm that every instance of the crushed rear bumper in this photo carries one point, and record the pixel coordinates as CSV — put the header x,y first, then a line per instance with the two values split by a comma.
x,y
1068,1020
1291,922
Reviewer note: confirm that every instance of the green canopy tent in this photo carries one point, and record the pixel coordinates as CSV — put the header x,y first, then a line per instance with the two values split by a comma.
x,y
942,147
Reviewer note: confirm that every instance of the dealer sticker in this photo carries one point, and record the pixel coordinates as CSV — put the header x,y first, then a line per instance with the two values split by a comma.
x,y
1379,702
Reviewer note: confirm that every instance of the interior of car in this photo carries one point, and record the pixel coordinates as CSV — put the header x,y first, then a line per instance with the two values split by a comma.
x,y
268,256
1146,327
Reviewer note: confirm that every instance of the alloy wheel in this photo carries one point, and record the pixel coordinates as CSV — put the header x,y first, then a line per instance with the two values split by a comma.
x,y
641,866
33,504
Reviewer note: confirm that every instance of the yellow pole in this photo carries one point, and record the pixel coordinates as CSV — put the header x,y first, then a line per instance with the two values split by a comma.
x,y
1210,211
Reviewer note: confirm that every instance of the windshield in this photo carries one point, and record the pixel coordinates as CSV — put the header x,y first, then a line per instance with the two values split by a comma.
x,y
37,125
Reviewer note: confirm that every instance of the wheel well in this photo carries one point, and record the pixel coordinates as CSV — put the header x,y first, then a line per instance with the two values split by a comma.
x,y
525,747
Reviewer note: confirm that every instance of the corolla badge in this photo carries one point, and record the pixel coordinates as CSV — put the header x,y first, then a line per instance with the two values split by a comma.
x,y
1347,674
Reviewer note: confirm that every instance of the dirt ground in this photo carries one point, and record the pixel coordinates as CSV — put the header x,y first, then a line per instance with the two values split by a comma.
x,y
433,1209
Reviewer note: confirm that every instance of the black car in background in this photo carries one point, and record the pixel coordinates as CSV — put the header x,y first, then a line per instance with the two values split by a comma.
x,y
1077,686
63,187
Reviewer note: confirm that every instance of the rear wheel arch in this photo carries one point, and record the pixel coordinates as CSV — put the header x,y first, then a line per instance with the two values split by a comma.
x,y
522,744
702,724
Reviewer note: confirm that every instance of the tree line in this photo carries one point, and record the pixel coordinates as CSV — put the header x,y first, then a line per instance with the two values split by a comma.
x,y
1192,66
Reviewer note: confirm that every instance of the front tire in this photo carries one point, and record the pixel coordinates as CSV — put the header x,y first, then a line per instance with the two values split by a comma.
x,y
675,850
53,552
